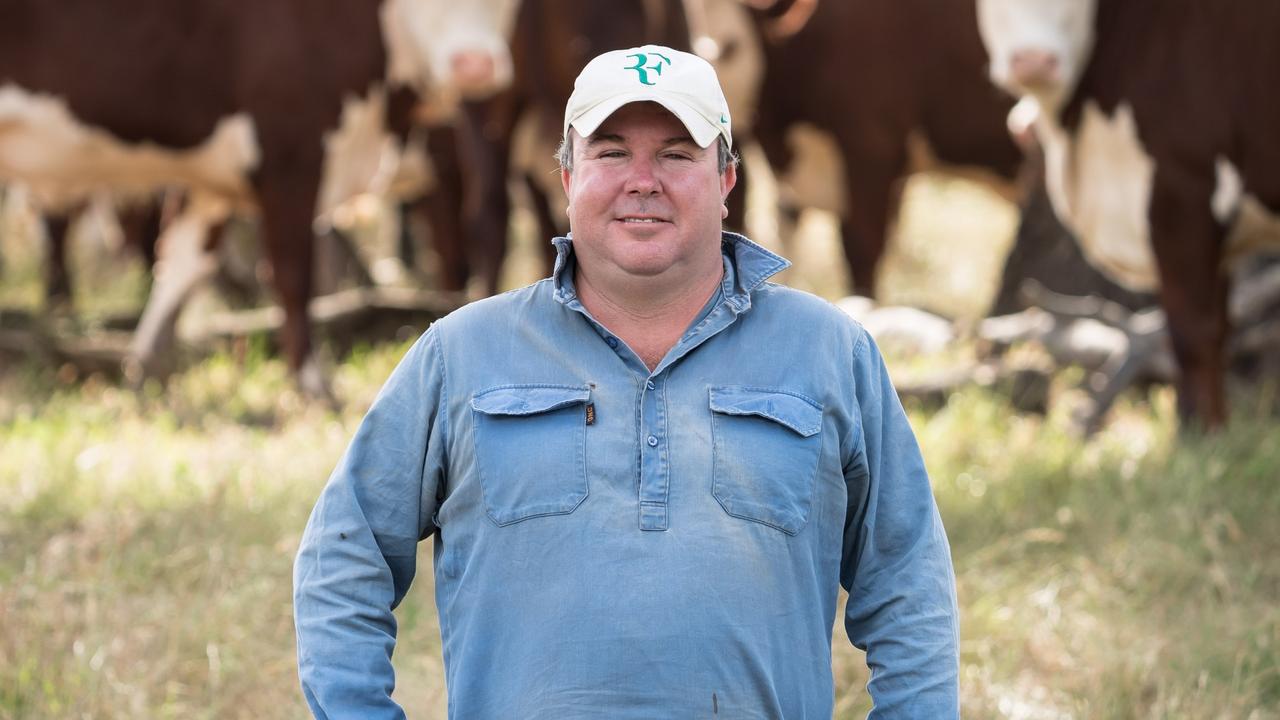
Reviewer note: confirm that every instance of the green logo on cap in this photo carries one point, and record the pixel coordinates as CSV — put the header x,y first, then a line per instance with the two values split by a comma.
x,y
643,68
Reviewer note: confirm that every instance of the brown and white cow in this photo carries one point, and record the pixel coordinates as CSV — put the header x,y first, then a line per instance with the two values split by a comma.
x,y
898,86
279,108
1159,120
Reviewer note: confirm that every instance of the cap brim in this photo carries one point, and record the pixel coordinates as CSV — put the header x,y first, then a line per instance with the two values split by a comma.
x,y
700,128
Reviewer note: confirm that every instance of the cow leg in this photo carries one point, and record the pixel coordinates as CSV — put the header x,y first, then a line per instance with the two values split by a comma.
x,y
140,225
788,226
57,283
286,197
871,200
186,260
778,154
406,243
1188,247
485,131
547,228
441,208
343,260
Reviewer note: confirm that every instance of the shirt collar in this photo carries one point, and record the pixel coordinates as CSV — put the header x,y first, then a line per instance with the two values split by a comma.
x,y
746,267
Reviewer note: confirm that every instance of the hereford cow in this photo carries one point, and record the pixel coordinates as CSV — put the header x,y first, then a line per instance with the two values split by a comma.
x,y
278,108
899,85
1159,120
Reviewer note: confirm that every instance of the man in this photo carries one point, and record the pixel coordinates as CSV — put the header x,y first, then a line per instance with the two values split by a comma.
x,y
645,475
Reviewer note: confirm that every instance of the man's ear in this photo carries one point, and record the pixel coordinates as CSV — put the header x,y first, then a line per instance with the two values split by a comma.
x,y
727,180
566,177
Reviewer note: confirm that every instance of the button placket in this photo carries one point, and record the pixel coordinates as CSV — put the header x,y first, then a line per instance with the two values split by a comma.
x,y
654,461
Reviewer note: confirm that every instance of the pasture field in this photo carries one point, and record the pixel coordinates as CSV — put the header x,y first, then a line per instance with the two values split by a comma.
x,y
147,538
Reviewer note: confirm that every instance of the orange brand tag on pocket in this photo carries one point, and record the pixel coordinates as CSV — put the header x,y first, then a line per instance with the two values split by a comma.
x,y
591,414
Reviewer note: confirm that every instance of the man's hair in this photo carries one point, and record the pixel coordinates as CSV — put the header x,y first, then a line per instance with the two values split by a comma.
x,y
724,156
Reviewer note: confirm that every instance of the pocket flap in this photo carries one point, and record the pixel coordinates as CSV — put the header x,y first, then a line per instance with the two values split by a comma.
x,y
801,415
528,399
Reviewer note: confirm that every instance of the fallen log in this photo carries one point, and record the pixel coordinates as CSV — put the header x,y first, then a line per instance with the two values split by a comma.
x,y
368,314
1025,385
103,353
348,315
1121,348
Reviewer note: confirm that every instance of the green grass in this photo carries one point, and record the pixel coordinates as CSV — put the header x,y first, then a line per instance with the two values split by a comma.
x,y
1131,576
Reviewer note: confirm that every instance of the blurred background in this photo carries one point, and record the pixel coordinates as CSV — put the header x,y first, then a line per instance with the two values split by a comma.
x,y
221,226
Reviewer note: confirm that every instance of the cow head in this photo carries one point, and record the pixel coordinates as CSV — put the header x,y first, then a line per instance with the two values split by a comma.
x,y
1038,47
456,47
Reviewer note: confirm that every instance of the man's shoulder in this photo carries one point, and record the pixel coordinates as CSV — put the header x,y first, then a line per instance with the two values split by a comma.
x,y
806,312
490,313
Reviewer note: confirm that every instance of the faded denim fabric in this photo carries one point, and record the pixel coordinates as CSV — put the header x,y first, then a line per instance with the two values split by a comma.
x,y
611,542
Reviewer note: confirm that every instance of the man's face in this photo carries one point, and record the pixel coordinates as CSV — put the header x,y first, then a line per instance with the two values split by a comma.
x,y
644,199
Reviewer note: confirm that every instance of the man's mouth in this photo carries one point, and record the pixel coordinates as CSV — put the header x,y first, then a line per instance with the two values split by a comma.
x,y
649,220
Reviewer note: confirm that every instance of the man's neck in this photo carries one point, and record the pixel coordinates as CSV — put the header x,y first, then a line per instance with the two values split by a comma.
x,y
647,318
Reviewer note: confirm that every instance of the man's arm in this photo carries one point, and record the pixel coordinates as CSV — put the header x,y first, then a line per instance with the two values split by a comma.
x,y
357,554
896,562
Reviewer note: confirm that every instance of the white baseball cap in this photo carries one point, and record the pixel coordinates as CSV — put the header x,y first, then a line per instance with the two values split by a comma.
x,y
682,83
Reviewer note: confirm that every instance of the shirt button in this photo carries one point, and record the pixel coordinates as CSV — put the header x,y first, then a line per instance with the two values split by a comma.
x,y
613,342
653,441
649,384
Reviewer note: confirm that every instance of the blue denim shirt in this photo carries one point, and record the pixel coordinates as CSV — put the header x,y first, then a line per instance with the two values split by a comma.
x,y
614,542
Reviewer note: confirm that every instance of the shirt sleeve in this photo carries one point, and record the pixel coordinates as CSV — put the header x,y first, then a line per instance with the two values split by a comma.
x,y
357,555
896,562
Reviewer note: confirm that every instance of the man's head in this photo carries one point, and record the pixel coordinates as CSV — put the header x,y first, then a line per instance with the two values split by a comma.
x,y
646,188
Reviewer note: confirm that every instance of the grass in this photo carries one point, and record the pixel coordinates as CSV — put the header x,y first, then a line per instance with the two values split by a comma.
x,y
146,542
146,539
1130,576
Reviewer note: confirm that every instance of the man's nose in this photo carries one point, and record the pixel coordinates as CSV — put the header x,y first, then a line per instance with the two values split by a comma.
x,y
642,177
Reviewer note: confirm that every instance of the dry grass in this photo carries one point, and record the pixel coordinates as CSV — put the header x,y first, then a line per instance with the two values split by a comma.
x,y
146,538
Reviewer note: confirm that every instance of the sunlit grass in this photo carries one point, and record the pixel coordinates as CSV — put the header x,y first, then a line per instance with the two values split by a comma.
x,y
1130,576
147,538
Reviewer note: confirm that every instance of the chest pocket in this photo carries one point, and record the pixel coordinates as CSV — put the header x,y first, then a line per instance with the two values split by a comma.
x,y
765,454
530,450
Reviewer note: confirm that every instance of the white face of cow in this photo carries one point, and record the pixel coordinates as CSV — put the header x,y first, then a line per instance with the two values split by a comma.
x,y
457,47
1037,47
